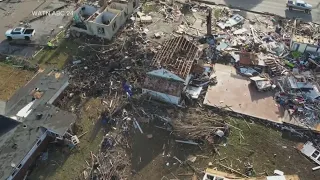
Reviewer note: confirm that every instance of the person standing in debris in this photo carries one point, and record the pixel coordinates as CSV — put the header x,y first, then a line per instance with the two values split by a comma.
x,y
127,88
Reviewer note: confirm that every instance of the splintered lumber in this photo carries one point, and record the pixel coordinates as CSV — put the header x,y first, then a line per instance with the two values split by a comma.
x,y
177,159
316,168
137,124
187,142
232,170
197,130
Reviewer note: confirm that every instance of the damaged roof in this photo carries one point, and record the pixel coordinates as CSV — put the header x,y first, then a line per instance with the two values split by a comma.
x,y
16,140
177,55
31,113
52,118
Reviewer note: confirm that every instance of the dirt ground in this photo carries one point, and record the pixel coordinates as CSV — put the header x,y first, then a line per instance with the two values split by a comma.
x,y
11,79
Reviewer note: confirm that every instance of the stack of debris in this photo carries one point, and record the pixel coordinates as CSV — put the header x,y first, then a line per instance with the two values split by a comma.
x,y
107,69
200,130
274,55
107,165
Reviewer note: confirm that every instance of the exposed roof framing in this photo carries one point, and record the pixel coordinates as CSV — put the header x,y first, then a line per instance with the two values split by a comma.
x,y
177,55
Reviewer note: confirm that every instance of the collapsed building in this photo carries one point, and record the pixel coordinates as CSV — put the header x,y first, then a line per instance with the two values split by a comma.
x,y
174,60
103,22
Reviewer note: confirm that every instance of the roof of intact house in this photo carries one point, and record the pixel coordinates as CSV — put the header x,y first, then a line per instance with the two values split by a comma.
x,y
16,139
177,55
50,84
33,112
52,118
40,110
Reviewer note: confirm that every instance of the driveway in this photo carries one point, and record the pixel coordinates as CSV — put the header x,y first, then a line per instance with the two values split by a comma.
x,y
13,13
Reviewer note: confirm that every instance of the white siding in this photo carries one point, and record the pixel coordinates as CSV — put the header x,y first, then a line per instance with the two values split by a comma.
x,y
163,97
310,151
302,47
311,49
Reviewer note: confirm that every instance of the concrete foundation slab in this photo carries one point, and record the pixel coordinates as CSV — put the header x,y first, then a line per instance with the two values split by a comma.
x,y
235,92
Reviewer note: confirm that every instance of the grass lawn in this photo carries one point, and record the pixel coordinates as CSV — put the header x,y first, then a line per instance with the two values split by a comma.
x,y
59,56
264,148
11,79
61,165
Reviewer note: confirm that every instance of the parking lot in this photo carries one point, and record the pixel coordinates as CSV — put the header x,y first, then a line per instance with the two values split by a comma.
x,y
14,13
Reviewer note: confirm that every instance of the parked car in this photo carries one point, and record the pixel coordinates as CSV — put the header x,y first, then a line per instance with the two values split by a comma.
x,y
299,5
20,33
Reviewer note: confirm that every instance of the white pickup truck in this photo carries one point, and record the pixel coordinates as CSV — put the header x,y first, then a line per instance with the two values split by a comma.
x,y
20,33
299,5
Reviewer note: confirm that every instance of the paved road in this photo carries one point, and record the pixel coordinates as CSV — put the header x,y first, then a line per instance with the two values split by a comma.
x,y
276,7
45,27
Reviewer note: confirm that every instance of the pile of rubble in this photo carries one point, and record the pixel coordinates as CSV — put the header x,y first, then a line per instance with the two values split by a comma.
x,y
200,130
274,54
104,70
263,49
107,165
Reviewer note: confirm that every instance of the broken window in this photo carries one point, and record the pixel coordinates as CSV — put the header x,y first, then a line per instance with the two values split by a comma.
x,y
315,154
114,26
209,177
101,31
38,143
134,4
14,172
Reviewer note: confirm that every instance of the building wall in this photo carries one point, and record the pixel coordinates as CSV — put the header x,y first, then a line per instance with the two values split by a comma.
x,y
29,159
162,85
162,97
121,11
2,107
312,49
301,47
